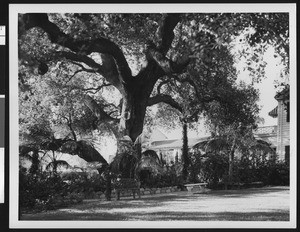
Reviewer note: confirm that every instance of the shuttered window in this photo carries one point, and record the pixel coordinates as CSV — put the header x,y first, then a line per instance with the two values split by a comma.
x,y
288,112
287,154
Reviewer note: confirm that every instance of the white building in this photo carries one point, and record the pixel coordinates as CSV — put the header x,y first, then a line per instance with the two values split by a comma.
x,y
282,113
278,135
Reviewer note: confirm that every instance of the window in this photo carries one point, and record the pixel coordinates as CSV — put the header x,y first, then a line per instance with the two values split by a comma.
x,y
287,154
288,112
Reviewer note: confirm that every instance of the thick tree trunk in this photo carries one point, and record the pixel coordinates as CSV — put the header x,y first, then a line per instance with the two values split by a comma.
x,y
135,90
135,102
108,187
231,163
139,93
107,177
34,168
185,151
230,169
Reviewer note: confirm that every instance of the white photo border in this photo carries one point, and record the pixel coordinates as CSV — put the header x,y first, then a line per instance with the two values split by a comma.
x,y
14,9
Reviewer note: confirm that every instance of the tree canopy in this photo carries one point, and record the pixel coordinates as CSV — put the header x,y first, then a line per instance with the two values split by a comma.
x,y
81,74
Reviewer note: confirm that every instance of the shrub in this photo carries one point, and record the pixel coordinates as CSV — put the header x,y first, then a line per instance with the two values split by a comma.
x,y
269,172
278,174
58,200
82,182
215,169
169,177
37,188
42,191
195,168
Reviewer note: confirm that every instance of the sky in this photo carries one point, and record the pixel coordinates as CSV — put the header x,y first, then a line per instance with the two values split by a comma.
x,y
266,87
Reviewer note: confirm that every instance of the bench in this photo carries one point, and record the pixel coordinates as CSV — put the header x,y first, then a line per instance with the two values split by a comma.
x,y
127,185
236,185
197,187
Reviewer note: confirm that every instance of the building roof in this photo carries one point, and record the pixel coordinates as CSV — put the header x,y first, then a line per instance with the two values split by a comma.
x,y
266,130
283,94
274,113
174,143
157,135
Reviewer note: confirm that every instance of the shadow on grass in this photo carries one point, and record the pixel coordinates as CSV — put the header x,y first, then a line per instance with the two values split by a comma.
x,y
164,216
247,192
209,216
158,207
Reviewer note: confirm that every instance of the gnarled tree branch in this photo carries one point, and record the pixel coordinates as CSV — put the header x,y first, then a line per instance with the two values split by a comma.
x,y
159,86
97,110
82,47
163,98
97,89
167,65
165,32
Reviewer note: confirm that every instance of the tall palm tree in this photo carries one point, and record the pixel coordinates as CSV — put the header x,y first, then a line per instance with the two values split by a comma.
x,y
185,150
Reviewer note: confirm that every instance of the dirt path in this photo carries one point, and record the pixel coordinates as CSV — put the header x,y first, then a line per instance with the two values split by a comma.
x,y
257,204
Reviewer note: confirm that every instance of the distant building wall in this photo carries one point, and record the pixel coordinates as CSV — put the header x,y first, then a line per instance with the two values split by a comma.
x,y
283,132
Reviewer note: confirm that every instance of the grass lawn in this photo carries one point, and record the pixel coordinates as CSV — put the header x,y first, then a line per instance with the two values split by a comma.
x,y
256,204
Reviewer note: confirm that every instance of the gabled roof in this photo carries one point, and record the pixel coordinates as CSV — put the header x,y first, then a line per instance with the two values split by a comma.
x,y
157,135
274,113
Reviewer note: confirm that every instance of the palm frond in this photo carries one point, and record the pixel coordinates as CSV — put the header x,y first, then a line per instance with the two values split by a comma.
x,y
49,166
57,163
149,163
263,146
84,150
52,144
152,154
69,147
62,163
123,163
213,144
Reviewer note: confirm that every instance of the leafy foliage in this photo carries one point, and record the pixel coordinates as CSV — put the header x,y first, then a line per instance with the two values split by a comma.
x,y
87,74
150,162
40,190
124,164
207,38
44,192
53,165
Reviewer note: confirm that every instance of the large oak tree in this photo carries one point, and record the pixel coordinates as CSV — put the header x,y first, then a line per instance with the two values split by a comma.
x,y
134,54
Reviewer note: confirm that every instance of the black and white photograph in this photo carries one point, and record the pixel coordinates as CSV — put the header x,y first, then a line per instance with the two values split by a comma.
x,y
152,115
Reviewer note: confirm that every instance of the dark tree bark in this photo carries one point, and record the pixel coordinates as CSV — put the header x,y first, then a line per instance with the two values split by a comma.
x,y
135,90
185,151
231,162
107,176
35,163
